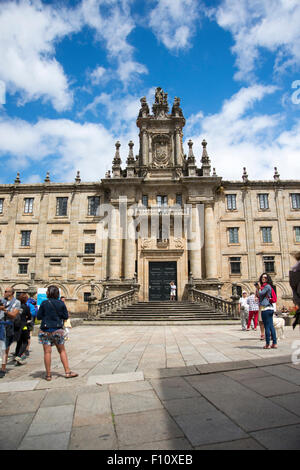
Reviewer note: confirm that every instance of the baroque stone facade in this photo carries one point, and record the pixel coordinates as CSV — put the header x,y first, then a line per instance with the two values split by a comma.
x,y
158,218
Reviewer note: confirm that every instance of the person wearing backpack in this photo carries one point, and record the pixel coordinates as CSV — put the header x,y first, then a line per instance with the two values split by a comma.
x,y
294,277
10,317
267,297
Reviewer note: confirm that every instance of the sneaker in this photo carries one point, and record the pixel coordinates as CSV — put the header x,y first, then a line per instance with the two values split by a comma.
x,y
2,373
20,360
26,353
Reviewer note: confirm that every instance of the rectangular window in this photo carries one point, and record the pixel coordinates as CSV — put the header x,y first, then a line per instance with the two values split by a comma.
x,y
295,201
179,199
61,206
263,201
25,237
1,205
266,234
23,265
297,234
162,200
269,264
89,248
231,202
55,261
93,205
28,205
145,200
233,234
235,265
86,296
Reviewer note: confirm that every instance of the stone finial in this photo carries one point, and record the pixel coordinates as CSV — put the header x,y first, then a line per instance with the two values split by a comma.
x,y
191,156
117,158
116,168
47,179
130,159
160,108
245,175
107,174
276,174
17,180
214,172
78,179
205,160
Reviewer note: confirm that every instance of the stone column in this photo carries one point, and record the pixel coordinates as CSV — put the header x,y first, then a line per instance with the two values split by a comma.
x,y
195,245
210,242
130,249
145,155
114,248
178,148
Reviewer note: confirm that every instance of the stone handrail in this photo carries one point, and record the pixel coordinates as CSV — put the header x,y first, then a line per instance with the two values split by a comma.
x,y
106,306
217,303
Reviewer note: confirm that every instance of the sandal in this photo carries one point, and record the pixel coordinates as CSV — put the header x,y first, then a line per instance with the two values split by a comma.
x,y
70,375
274,346
48,378
267,346
262,337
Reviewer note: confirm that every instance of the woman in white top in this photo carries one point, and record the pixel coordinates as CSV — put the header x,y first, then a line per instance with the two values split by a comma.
x,y
173,291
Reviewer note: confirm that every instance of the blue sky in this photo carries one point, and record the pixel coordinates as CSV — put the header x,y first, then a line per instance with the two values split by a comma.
x,y
72,74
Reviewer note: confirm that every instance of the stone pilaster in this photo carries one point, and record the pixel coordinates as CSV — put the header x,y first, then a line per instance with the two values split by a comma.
x,y
130,248
210,242
114,246
195,245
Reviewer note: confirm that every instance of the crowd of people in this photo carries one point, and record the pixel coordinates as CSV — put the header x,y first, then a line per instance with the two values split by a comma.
x,y
17,319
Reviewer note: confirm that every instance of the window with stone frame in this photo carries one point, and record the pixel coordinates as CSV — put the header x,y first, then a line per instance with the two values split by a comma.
x,y
263,201
235,264
89,248
233,235
23,265
28,205
297,234
295,199
61,206
231,202
179,199
86,296
25,237
1,205
269,264
266,234
145,200
93,205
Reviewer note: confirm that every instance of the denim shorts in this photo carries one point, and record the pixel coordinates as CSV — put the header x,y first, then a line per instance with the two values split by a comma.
x,y
54,338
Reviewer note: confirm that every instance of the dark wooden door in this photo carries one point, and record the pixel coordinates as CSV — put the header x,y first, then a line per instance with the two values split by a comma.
x,y
160,276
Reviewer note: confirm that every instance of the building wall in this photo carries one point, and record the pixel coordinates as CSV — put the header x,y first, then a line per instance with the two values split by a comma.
x,y
56,252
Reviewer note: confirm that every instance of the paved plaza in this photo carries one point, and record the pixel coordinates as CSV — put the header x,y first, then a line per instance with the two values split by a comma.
x,y
175,387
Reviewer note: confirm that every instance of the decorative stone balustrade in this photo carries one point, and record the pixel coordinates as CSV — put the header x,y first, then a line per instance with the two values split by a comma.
x,y
218,304
106,306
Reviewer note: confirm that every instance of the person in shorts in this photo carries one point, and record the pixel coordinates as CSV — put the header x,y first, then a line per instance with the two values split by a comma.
x,y
52,314
172,291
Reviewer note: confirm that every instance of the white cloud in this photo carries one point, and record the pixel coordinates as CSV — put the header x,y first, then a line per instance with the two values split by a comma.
x,y
259,25
28,32
174,22
97,75
238,137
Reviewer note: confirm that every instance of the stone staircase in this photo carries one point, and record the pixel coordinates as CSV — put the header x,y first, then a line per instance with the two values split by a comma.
x,y
165,311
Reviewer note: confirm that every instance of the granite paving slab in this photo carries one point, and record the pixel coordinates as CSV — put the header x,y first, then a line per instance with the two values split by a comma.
x,y
90,408
18,386
148,426
281,438
134,402
115,378
289,402
240,444
173,387
12,430
55,441
52,419
100,436
245,407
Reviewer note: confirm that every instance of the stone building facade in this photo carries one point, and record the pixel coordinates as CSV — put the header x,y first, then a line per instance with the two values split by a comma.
x,y
155,219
